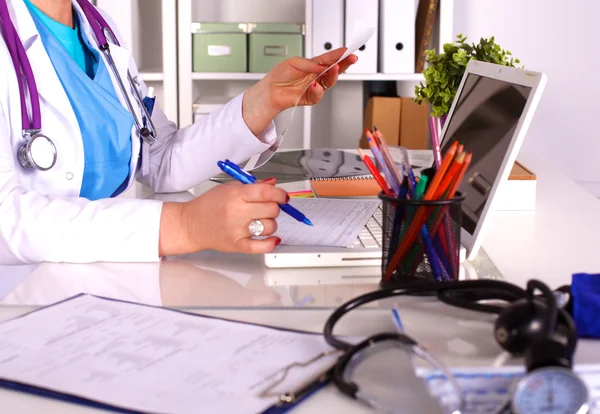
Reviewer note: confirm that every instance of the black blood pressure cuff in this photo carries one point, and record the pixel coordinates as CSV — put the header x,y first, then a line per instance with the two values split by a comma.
x,y
585,303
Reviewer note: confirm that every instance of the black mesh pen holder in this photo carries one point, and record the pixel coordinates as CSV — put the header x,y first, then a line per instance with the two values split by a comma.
x,y
421,240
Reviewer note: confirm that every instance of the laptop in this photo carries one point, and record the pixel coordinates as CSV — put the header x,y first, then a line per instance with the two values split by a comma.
x,y
490,115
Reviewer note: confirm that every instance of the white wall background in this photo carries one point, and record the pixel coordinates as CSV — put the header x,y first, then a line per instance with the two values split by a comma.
x,y
558,38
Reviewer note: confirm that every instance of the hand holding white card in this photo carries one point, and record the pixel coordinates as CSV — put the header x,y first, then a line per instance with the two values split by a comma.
x,y
362,33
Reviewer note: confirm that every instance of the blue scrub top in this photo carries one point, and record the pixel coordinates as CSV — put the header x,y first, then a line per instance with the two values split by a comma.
x,y
104,124
70,38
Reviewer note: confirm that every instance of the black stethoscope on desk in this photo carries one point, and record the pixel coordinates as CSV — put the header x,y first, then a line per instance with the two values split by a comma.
x,y
533,326
38,151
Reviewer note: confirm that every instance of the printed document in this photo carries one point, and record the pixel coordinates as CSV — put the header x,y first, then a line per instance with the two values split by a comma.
x,y
154,360
337,222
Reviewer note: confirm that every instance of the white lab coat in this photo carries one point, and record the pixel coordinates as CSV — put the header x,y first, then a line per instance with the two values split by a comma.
x,y
41,216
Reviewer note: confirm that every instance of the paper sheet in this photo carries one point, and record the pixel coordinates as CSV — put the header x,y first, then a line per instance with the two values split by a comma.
x,y
362,33
337,222
151,359
486,389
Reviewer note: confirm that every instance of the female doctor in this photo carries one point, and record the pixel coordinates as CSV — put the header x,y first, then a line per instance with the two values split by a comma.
x,y
95,125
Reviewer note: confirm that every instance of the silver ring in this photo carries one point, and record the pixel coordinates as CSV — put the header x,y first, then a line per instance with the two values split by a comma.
x,y
256,227
323,85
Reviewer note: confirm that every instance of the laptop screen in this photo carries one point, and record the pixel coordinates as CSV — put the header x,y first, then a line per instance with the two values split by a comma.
x,y
485,118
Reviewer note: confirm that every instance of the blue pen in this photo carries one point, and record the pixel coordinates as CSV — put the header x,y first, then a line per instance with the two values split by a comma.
x,y
148,102
434,260
244,177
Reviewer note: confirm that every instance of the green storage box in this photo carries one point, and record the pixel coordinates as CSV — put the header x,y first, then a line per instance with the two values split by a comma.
x,y
271,43
219,47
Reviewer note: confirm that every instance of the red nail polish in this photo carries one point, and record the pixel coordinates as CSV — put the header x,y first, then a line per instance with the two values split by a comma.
x,y
287,198
277,241
315,84
269,179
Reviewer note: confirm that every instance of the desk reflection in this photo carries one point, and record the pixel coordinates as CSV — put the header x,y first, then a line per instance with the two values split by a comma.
x,y
204,280
185,283
167,283
199,281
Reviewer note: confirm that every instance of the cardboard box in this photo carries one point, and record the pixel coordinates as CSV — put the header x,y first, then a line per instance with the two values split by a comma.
x,y
400,120
414,125
384,113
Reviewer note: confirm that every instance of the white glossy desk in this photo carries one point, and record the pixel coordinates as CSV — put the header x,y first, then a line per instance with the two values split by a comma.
x,y
550,244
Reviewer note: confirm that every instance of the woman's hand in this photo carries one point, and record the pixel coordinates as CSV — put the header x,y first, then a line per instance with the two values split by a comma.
x,y
288,79
280,89
219,220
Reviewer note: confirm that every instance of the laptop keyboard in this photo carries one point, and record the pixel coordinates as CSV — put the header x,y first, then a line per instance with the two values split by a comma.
x,y
371,236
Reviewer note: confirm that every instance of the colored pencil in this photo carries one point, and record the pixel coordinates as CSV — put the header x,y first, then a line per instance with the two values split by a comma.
x,y
451,182
439,174
421,216
451,175
459,178
376,175
435,141
452,193
386,172
387,158
369,135
437,223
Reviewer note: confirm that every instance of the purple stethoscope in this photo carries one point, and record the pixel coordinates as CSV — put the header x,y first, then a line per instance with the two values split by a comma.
x,y
38,151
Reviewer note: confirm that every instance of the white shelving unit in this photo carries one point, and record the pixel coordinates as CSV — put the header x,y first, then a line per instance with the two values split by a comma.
x,y
192,85
159,34
344,77
149,28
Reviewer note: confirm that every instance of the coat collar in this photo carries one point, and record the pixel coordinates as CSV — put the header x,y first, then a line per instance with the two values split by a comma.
x,y
46,80
49,87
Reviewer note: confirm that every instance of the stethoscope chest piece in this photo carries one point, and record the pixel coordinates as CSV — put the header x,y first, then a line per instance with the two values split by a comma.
x,y
38,152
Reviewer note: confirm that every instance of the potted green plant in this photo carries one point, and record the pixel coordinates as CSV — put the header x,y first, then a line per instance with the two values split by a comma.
x,y
445,71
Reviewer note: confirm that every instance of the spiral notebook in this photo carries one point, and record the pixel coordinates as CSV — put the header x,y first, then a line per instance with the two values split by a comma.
x,y
345,187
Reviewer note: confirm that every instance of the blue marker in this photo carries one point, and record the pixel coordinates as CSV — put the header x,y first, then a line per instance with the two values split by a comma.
x,y
244,177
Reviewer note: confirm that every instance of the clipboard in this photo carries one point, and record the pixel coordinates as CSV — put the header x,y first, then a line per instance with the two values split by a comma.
x,y
301,394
